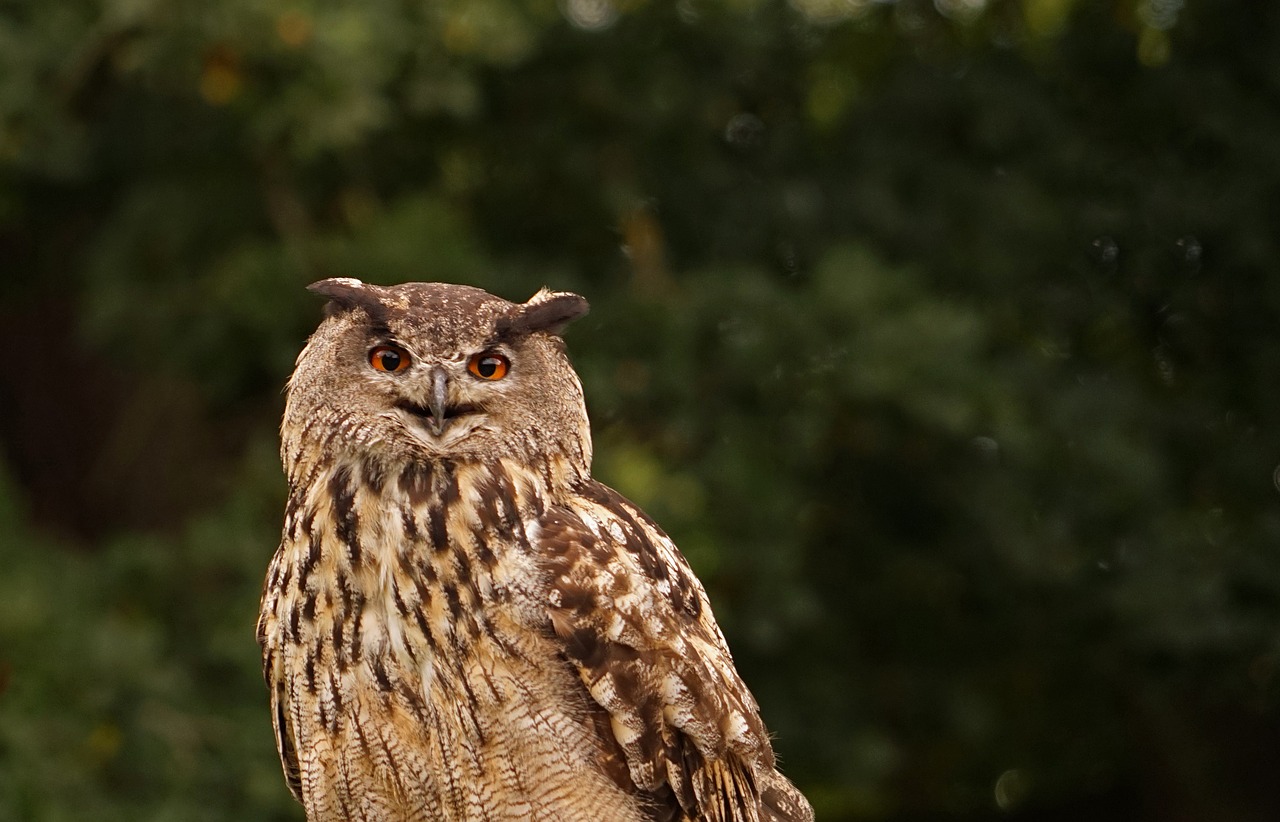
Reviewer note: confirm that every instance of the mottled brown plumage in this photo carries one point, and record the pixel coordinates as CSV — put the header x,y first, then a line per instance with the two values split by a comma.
x,y
460,623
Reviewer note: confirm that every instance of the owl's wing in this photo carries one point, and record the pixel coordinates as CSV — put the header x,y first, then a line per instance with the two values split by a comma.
x,y
274,676
284,742
635,623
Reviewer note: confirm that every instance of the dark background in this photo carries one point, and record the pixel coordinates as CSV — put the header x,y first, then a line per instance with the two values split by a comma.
x,y
942,336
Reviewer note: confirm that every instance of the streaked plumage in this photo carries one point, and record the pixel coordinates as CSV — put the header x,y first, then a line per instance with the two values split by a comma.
x,y
464,625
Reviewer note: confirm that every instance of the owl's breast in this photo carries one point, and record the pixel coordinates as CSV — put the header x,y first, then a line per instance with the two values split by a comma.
x,y
416,674
481,721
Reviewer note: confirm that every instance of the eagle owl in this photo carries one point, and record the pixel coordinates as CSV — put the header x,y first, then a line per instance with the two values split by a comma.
x,y
460,623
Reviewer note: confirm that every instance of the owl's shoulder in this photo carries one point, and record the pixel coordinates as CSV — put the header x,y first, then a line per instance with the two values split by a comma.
x,y
600,536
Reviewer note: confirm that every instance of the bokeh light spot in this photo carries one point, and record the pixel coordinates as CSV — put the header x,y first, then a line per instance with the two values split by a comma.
x,y
963,10
1011,789
294,28
220,79
592,15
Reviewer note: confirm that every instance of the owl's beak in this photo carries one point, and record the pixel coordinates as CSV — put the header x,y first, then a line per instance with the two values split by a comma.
x,y
437,415
439,400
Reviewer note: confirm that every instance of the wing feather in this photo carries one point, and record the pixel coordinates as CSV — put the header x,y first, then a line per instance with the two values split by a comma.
x,y
284,742
635,623
273,675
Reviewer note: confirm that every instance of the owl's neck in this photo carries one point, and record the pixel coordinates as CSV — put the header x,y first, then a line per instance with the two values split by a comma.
x,y
420,505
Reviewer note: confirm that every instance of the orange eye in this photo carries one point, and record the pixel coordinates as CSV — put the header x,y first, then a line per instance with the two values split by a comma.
x,y
389,358
488,366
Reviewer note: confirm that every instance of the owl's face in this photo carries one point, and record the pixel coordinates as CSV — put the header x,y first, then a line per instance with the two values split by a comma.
x,y
428,370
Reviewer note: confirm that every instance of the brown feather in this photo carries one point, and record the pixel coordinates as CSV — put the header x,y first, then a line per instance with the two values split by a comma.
x,y
637,626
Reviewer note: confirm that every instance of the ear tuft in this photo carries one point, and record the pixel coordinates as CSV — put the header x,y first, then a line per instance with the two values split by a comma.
x,y
548,311
348,294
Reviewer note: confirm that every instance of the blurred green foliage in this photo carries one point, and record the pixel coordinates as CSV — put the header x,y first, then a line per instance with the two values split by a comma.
x,y
940,335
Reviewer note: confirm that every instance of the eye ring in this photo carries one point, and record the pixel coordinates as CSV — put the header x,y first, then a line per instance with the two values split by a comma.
x,y
390,359
488,365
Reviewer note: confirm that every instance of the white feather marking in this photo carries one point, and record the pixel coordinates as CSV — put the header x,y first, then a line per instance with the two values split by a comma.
x,y
622,733
616,626
738,731
426,672
532,531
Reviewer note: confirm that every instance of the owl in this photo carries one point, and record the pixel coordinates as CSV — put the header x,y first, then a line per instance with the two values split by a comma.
x,y
460,623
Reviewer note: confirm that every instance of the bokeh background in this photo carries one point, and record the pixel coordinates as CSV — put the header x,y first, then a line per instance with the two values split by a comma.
x,y
942,336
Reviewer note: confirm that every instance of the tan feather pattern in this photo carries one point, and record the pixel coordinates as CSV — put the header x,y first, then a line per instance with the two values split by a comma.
x,y
636,623
416,679
459,623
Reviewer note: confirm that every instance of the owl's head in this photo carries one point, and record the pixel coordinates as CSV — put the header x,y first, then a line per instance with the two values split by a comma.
x,y
430,370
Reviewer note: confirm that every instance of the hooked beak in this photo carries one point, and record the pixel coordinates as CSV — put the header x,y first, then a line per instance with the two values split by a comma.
x,y
439,400
437,415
